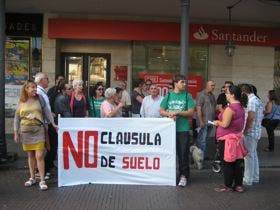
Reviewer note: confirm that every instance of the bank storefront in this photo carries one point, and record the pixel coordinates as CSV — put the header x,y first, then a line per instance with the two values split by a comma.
x,y
136,48
112,50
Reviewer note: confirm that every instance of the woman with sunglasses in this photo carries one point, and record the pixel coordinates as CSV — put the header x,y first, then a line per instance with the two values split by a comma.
x,y
96,99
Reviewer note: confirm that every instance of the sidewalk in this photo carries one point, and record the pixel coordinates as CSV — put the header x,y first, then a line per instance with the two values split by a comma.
x,y
266,159
199,194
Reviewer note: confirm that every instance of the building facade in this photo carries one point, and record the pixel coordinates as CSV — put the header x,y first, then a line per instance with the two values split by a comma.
x,y
111,50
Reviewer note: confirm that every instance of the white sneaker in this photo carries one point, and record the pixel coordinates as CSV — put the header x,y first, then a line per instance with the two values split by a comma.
x,y
183,181
47,176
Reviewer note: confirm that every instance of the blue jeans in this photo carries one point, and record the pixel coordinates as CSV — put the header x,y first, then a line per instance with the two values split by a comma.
x,y
251,172
202,139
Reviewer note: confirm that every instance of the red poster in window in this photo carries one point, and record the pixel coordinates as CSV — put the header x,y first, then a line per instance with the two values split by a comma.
x,y
195,82
120,73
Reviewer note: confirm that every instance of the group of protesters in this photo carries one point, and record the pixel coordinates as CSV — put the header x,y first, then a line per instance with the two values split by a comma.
x,y
237,114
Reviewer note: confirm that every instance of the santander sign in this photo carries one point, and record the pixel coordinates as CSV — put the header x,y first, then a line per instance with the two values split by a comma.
x,y
213,34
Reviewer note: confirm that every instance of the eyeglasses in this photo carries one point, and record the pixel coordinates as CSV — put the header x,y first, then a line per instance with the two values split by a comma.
x,y
100,89
148,84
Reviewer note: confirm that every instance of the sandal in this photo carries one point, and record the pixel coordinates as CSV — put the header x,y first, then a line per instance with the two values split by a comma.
x,y
43,185
30,182
223,189
239,189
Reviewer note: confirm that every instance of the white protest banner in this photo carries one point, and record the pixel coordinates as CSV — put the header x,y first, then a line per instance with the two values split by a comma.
x,y
140,151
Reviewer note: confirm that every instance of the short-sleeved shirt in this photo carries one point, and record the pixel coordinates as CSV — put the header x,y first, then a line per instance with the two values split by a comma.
x,y
126,98
94,106
275,113
237,122
255,105
179,102
207,103
151,106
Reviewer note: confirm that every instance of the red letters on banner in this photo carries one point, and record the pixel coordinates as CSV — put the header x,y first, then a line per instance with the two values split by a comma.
x,y
83,150
141,163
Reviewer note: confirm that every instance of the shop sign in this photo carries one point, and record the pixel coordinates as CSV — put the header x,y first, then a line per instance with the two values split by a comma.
x,y
215,34
161,31
24,24
140,151
120,73
163,81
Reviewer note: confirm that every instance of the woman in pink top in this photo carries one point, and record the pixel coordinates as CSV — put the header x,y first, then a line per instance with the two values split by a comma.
x,y
111,107
229,133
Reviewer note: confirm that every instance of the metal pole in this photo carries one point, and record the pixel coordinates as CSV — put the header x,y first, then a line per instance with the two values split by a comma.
x,y
3,146
185,4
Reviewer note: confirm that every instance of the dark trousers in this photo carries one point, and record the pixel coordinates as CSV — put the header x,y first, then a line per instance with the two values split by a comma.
x,y
52,153
270,133
233,171
182,148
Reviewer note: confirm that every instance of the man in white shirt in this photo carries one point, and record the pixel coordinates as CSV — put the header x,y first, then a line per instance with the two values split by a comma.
x,y
151,104
42,81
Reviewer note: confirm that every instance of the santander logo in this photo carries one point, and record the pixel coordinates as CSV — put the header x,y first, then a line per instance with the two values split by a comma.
x,y
238,35
201,34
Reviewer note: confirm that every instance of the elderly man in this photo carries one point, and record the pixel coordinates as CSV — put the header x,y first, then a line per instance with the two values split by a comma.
x,y
206,107
151,104
42,81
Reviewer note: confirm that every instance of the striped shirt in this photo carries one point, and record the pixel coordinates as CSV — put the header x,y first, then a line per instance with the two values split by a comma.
x,y
255,105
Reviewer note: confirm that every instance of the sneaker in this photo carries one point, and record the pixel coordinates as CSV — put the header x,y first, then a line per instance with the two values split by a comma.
x,y
256,181
183,181
30,182
47,176
247,183
43,185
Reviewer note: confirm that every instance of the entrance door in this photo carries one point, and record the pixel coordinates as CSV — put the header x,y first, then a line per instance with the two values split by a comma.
x,y
91,68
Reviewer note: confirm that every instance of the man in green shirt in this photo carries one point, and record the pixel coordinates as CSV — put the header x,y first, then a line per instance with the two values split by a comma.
x,y
179,106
